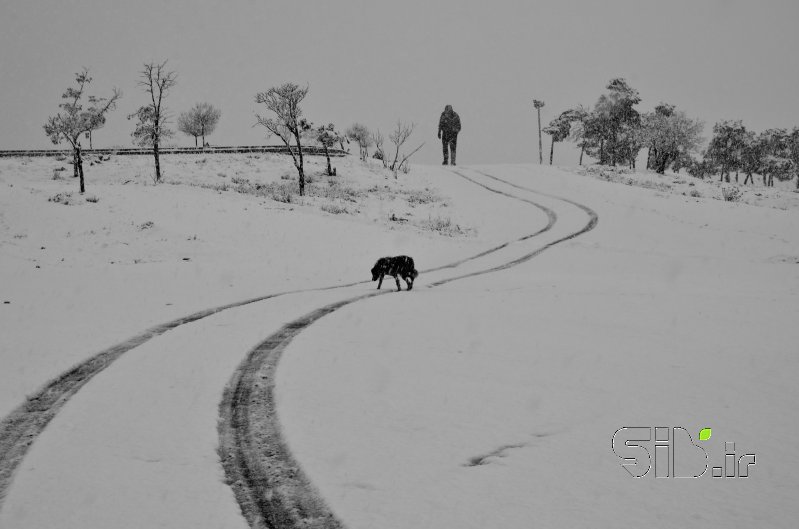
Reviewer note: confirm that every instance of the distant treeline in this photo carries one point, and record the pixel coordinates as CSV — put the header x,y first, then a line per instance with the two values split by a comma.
x,y
614,132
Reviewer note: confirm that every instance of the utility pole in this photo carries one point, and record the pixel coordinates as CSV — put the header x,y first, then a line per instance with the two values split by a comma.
x,y
538,104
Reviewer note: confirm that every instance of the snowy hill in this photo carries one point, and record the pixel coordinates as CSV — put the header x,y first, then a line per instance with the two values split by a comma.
x,y
553,309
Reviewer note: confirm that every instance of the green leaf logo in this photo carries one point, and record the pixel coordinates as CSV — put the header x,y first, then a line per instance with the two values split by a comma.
x,y
704,434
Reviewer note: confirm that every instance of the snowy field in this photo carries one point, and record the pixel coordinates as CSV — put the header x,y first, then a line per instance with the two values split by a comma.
x,y
491,399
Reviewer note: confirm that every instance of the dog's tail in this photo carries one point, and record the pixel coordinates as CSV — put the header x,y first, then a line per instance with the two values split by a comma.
x,y
415,273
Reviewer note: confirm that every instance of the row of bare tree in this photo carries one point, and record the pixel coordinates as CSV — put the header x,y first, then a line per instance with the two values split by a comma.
x,y
365,138
285,121
82,114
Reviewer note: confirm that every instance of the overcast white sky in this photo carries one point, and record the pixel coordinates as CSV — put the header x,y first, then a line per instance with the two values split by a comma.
x,y
373,61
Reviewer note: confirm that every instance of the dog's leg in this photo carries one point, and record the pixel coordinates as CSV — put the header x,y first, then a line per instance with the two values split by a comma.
x,y
380,282
409,282
396,278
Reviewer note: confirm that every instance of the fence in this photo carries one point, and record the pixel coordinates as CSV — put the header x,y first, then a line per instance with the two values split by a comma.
x,y
276,149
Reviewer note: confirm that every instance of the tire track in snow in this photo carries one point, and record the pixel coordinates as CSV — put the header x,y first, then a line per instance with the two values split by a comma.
x,y
20,428
269,484
592,215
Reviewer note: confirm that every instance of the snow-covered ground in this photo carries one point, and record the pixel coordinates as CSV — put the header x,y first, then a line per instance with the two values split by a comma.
x,y
488,400
670,313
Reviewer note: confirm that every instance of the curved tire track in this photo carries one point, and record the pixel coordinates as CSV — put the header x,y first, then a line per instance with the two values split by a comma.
x,y
20,428
269,484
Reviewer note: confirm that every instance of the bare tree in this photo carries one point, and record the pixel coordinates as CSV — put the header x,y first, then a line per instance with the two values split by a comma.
x,y
284,101
378,139
153,117
76,120
360,135
398,137
200,121
538,104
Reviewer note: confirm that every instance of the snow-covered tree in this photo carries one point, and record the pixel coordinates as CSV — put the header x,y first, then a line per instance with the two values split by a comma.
x,y
76,119
793,151
775,145
671,136
611,131
287,124
200,121
726,145
360,135
558,130
153,117
328,137
578,116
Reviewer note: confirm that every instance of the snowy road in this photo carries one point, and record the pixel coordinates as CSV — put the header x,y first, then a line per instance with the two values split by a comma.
x,y
83,435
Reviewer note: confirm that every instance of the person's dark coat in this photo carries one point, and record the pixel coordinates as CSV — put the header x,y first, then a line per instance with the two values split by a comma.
x,y
450,123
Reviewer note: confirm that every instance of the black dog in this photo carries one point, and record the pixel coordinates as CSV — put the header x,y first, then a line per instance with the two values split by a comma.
x,y
399,266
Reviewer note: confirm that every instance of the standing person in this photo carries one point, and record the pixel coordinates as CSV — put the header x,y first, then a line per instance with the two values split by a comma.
x,y
448,128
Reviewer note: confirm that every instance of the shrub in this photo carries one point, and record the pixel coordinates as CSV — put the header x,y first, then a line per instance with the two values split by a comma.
x,y
731,194
333,191
278,191
695,193
335,209
419,197
61,198
93,199
442,225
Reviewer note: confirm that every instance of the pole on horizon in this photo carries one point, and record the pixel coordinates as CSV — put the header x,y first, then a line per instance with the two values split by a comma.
x,y
538,104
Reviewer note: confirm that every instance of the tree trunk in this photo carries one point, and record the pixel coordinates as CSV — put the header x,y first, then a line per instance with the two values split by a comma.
x,y
662,163
157,162
74,161
602,151
540,155
551,150
329,168
301,168
582,150
649,158
79,159
195,142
